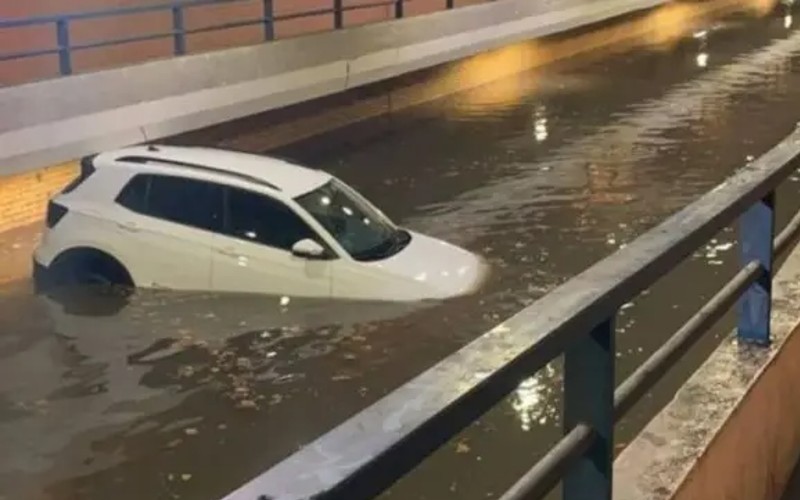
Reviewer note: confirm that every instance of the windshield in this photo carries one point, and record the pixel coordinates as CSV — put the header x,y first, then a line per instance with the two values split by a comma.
x,y
361,229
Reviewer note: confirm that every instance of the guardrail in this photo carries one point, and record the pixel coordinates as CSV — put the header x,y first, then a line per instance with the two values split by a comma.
x,y
369,452
65,49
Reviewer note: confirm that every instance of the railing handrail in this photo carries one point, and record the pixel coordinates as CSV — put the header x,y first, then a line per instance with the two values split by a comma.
x,y
20,22
64,48
367,453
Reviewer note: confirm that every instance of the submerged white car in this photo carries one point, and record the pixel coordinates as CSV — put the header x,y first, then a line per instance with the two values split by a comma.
x,y
205,219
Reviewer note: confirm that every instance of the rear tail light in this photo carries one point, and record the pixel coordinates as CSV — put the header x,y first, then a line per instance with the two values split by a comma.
x,y
55,213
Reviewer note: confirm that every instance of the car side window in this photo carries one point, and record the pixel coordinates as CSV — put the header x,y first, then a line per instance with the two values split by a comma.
x,y
189,202
185,201
260,219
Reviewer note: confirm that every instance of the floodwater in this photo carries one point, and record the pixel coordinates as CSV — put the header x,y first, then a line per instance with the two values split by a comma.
x,y
187,396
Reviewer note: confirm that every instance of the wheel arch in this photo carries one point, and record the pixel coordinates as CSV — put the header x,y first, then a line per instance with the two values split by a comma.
x,y
78,251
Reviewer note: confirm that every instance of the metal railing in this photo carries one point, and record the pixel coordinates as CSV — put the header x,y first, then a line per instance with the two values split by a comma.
x,y
65,49
369,452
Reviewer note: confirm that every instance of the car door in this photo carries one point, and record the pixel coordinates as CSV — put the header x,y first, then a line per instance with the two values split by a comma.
x,y
166,226
255,254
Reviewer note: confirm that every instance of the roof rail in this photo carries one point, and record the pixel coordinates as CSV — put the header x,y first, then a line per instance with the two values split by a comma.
x,y
230,149
233,149
146,160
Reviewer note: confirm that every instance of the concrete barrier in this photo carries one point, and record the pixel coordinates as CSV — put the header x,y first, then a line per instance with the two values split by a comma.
x,y
58,120
732,432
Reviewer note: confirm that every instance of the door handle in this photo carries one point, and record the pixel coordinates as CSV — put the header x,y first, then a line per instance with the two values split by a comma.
x,y
128,226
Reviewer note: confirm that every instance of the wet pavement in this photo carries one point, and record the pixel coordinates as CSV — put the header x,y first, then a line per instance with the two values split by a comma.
x,y
187,396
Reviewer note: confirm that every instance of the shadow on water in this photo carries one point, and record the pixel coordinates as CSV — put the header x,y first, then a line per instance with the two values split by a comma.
x,y
92,378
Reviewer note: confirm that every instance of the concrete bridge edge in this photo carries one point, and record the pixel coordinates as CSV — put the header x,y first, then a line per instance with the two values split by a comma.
x,y
733,429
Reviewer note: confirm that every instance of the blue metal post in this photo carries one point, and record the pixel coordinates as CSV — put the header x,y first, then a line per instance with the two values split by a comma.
x,y
269,20
179,30
64,54
757,229
398,9
338,14
589,398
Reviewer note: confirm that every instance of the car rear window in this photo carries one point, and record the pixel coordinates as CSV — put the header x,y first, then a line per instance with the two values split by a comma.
x,y
185,201
134,195
189,202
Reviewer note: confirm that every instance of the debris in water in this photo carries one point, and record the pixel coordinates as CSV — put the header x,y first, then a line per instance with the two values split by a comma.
x,y
247,404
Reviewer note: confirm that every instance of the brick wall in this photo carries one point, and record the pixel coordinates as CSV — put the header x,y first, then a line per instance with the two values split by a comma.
x,y
23,198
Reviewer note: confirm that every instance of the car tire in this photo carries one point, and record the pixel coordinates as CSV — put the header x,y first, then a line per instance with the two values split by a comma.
x,y
89,267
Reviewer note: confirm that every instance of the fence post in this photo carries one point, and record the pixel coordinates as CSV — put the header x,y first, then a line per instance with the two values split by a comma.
x,y
450,4
589,398
179,30
398,9
338,14
757,230
64,54
269,20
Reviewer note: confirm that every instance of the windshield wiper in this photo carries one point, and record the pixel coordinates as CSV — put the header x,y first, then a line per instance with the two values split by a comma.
x,y
398,240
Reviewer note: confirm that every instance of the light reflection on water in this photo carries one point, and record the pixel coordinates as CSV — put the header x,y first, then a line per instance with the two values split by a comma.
x,y
533,400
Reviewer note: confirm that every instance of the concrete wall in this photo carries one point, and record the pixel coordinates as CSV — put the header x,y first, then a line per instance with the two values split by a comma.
x,y
733,430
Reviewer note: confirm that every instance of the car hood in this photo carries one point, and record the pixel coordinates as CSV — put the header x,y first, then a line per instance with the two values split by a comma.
x,y
443,269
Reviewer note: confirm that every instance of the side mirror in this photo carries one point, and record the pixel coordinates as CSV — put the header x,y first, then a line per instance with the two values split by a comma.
x,y
308,249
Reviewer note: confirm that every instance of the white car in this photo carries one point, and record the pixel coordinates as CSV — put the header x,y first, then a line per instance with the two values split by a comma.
x,y
212,220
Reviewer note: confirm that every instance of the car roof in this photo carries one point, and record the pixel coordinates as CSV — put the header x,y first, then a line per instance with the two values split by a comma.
x,y
290,179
